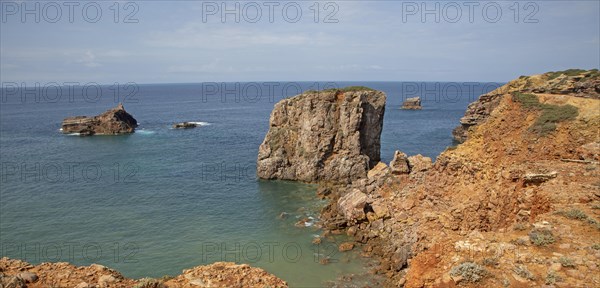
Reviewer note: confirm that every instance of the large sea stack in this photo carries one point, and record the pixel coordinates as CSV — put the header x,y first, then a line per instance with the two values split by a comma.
x,y
328,136
112,122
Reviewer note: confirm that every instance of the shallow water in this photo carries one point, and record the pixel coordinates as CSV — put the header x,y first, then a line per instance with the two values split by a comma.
x,y
162,200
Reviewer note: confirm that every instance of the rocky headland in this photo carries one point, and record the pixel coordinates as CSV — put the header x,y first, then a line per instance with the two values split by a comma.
x,y
573,82
516,205
327,136
19,274
112,122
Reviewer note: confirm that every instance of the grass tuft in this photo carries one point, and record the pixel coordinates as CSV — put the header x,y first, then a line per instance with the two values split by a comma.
x,y
551,114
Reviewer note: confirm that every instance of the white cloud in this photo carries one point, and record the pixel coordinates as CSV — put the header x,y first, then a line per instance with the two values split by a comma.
x,y
88,59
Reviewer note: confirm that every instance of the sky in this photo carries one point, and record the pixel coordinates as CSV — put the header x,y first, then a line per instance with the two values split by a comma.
x,y
209,41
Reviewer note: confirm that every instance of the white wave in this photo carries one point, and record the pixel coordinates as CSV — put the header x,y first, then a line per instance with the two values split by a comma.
x,y
74,134
145,132
60,129
200,123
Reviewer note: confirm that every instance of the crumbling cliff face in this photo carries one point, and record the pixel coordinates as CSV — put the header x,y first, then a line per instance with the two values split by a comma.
x,y
327,136
574,82
510,207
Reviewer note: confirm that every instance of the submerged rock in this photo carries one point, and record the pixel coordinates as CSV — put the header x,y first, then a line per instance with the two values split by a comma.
x,y
412,104
112,122
331,136
185,125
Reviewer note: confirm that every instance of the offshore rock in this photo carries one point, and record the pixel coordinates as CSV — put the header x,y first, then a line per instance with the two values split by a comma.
x,y
412,104
112,122
329,136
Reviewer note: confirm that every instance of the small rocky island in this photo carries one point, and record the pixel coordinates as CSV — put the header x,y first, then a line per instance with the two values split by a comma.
x,y
412,104
112,122
184,125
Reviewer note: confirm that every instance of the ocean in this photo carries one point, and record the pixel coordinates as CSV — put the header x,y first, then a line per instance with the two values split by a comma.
x,y
162,200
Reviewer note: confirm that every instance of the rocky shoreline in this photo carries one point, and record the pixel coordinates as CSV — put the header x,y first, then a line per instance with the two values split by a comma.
x,y
20,274
516,205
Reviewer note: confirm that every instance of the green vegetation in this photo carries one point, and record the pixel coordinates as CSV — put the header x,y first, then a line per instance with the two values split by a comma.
x,y
568,72
520,226
524,272
551,114
350,89
575,214
345,89
552,278
566,262
493,261
541,237
469,271
596,246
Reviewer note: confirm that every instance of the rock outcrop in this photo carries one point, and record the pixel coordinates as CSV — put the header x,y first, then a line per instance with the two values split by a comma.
x,y
327,136
20,274
112,122
412,104
573,82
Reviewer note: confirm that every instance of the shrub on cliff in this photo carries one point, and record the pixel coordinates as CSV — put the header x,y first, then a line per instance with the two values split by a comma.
x,y
550,116
469,271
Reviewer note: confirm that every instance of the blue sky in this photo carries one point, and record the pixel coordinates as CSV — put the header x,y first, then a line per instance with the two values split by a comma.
x,y
188,41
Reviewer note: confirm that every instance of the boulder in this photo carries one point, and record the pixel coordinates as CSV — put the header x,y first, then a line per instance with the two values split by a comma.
x,y
412,104
346,246
112,122
419,163
399,164
352,205
328,136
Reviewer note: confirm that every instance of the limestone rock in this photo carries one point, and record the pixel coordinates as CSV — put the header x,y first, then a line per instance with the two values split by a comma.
x,y
399,164
352,205
106,280
476,113
538,178
419,163
346,246
112,122
28,277
412,104
327,136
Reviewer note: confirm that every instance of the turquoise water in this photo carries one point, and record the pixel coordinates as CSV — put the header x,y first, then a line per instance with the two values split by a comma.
x,y
162,200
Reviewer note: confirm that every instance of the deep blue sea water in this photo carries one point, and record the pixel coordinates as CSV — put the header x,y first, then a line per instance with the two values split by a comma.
x,y
162,200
